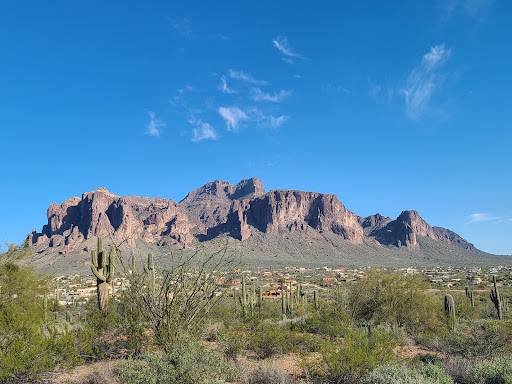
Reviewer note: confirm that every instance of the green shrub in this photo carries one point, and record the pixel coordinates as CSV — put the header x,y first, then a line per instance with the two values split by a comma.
x,y
266,373
269,339
186,362
328,320
496,371
395,299
360,353
231,343
392,374
484,338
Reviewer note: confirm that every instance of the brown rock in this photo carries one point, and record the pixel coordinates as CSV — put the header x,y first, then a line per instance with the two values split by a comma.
x,y
280,211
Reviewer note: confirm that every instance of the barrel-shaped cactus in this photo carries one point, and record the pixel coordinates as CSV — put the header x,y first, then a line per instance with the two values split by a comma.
x,y
104,272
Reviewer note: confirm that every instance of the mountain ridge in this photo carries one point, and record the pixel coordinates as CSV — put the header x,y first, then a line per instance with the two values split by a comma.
x,y
242,211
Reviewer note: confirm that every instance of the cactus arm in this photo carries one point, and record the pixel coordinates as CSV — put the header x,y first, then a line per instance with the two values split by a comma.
x,y
94,259
111,265
98,274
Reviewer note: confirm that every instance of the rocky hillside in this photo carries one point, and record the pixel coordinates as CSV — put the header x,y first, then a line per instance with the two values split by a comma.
x,y
244,212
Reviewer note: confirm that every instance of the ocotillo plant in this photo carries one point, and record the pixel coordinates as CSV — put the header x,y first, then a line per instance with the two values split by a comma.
x,y
150,270
104,273
469,295
496,299
449,307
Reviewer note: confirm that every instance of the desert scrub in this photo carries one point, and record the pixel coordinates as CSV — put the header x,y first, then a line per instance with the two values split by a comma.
x,y
481,338
359,353
328,320
495,371
231,342
185,362
393,374
269,339
266,373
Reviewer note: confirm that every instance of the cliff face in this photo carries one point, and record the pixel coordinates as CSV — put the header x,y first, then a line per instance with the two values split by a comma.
x,y
279,211
101,213
240,210
209,205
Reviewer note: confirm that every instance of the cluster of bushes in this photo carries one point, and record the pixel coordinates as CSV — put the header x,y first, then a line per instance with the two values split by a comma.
x,y
158,329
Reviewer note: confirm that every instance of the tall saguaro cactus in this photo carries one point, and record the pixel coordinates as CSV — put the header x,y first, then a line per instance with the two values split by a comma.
x,y
150,270
449,307
497,299
104,273
470,296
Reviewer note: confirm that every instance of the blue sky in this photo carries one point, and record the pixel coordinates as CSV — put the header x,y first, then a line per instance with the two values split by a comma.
x,y
395,106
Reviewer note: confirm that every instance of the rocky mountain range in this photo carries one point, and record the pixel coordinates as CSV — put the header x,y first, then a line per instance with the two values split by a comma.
x,y
244,212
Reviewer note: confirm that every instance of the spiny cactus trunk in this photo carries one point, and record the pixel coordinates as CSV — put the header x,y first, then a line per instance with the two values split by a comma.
x,y
102,288
497,299
449,307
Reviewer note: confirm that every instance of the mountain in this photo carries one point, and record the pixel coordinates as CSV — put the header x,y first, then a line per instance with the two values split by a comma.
x,y
280,225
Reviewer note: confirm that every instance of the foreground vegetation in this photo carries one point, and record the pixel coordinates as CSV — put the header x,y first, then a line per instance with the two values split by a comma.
x,y
186,325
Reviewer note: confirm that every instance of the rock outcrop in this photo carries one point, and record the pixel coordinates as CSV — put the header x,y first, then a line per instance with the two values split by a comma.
x,y
217,207
101,213
209,205
282,210
451,237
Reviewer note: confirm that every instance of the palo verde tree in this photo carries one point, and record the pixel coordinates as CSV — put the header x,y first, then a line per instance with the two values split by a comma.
x,y
104,273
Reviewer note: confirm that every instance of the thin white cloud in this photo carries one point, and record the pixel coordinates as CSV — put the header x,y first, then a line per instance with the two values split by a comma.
x,y
473,8
203,131
276,122
240,75
259,95
424,80
154,125
281,43
480,217
233,116
224,86
182,26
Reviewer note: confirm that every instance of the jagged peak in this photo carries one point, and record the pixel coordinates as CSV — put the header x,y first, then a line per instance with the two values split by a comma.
x,y
102,190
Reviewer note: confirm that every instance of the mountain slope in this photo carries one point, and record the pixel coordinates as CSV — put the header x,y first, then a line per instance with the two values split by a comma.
x,y
280,225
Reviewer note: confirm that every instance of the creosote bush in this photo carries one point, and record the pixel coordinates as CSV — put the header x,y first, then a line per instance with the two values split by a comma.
x,y
185,362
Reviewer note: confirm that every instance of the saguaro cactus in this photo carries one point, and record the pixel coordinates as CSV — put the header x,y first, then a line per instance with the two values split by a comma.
x,y
104,273
449,307
497,299
150,270
315,299
469,295
45,308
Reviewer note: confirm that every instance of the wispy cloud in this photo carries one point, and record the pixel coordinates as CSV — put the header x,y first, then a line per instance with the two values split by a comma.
x,y
336,87
479,217
240,75
276,122
281,43
154,125
473,8
259,95
424,80
233,116
224,85
182,26
203,131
